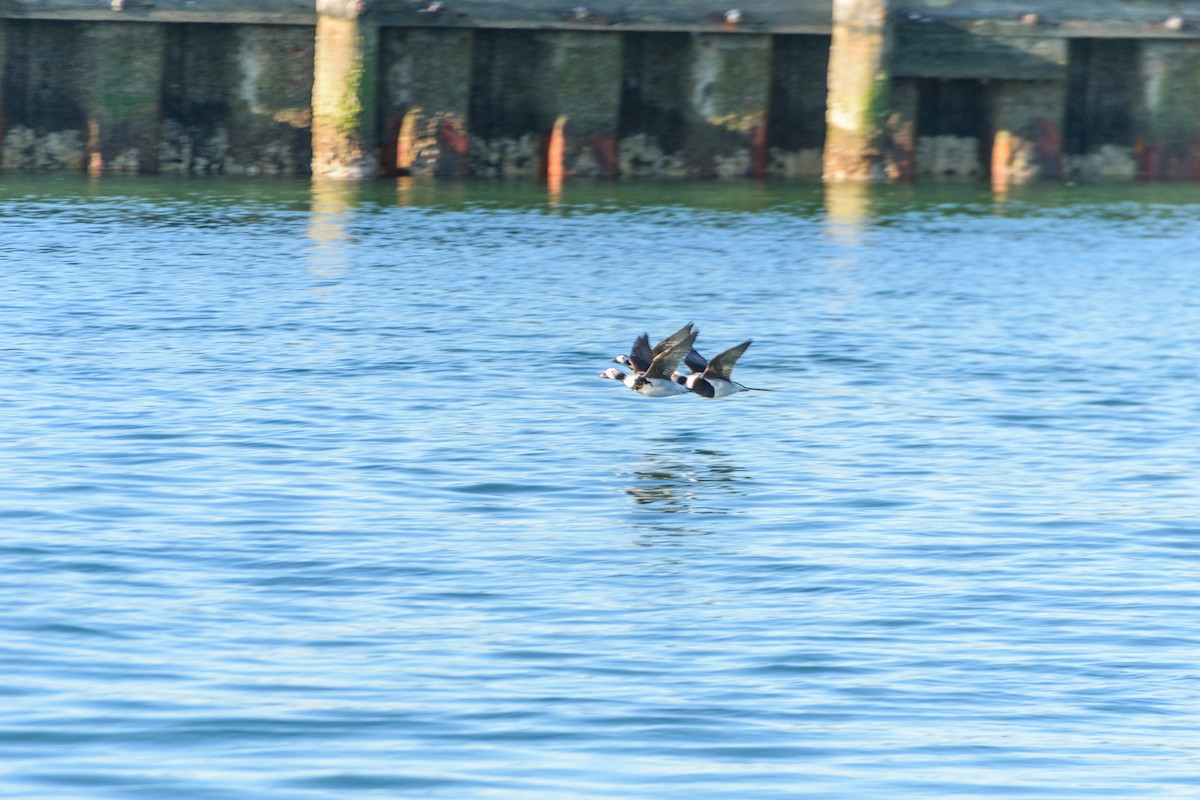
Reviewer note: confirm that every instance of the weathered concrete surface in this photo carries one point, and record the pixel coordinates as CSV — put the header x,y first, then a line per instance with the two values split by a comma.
x,y
509,118
1060,18
1104,99
953,127
237,100
725,133
693,16
1029,119
933,49
45,108
425,100
1169,136
345,92
859,80
653,104
796,114
585,99
124,96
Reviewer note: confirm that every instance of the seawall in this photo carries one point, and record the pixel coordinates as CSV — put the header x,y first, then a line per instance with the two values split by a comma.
x,y
844,90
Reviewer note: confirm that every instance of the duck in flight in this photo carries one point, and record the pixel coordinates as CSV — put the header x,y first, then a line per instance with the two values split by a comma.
x,y
714,378
656,379
654,371
642,354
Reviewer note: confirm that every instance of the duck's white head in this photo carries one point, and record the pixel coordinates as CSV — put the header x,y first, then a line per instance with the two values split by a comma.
x,y
613,374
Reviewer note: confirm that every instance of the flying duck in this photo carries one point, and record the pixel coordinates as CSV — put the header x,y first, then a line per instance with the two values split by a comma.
x,y
655,380
714,378
642,354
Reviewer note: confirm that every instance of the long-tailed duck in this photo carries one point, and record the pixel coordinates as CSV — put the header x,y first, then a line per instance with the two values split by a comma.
x,y
642,353
655,380
714,378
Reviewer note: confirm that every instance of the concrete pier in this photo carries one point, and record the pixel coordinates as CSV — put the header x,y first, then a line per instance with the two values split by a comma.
x,y
1009,91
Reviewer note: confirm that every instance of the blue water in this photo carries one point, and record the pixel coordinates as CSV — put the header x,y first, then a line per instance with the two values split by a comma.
x,y
314,492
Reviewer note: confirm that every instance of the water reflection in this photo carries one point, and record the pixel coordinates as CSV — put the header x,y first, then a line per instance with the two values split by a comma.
x,y
846,207
331,206
693,481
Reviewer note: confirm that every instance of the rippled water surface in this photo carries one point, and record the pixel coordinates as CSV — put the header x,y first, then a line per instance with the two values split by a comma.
x,y
314,492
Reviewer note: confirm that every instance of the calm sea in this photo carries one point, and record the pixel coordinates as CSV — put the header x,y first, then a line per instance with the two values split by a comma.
x,y
312,491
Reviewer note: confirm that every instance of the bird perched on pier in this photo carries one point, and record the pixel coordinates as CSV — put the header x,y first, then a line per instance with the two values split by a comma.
x,y
656,379
714,378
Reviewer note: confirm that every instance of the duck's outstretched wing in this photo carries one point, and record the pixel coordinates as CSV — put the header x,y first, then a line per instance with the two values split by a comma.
x,y
674,339
722,364
695,362
664,363
640,355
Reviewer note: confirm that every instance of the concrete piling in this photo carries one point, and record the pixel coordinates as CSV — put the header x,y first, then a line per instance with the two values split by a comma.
x,y
345,89
859,82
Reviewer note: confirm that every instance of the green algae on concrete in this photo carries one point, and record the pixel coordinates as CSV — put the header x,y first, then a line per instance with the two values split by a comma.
x,y
237,100
124,102
584,92
345,90
729,90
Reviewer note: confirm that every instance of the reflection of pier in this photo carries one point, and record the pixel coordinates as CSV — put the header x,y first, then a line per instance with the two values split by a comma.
x,y
851,89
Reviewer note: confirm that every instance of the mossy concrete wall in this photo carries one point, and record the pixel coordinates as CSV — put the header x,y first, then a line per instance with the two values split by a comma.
x,y
509,114
1104,100
584,100
1028,118
544,102
236,100
726,119
854,89
425,94
124,96
1168,143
